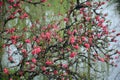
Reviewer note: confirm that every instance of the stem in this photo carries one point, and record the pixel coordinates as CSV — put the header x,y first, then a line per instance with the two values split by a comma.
x,y
88,64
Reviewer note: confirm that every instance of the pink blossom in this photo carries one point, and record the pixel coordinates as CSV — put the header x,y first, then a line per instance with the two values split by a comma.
x,y
27,41
69,32
87,45
90,40
83,38
14,41
43,68
76,46
11,30
55,72
60,39
74,31
34,60
88,3
99,24
64,65
5,70
81,12
98,35
97,18
16,5
25,15
66,19
11,16
48,35
27,63
36,50
48,62
14,37
72,39
10,7
102,20
101,59
23,51
42,35
88,18
73,54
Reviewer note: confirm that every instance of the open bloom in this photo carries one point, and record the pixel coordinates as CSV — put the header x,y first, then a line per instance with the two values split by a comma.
x,y
55,72
72,39
48,62
87,45
73,54
34,60
5,70
76,46
27,40
23,50
43,68
64,65
83,38
36,51
48,35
